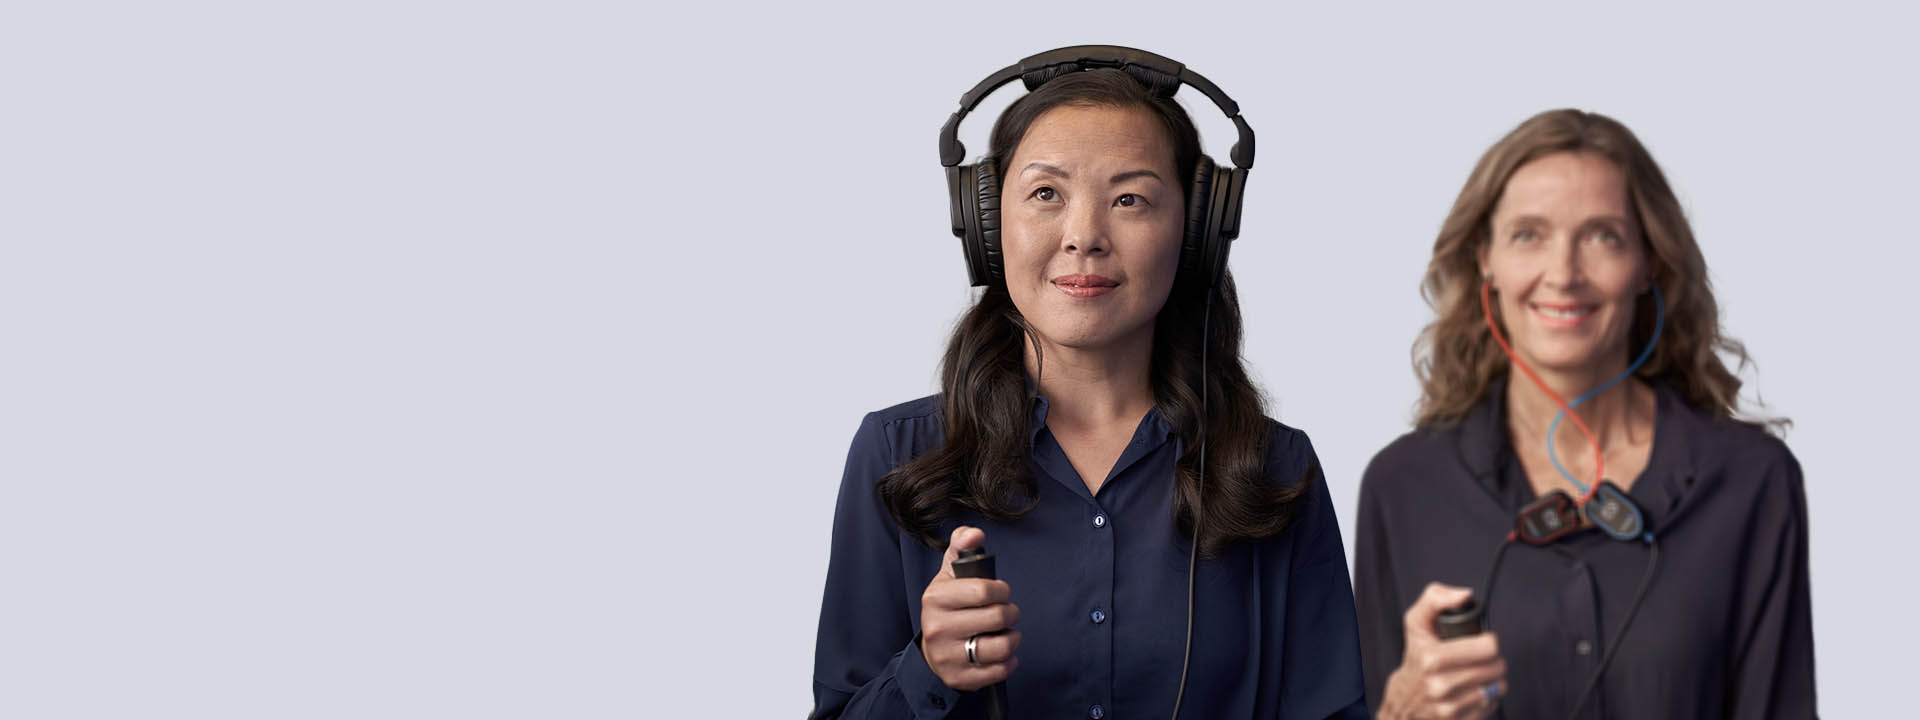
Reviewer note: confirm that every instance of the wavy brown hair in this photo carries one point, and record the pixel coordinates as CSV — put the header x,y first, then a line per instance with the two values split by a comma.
x,y
1456,358
987,408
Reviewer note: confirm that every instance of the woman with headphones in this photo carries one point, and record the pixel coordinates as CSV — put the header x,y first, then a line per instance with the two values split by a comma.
x,y
1629,546
1160,544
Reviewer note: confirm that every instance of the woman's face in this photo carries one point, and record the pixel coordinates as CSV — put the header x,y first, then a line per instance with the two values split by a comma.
x,y
1091,216
1567,263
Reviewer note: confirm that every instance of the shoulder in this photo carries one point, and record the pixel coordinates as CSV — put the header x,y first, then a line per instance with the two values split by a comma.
x,y
1732,442
919,409
1738,452
1290,454
906,427
1412,455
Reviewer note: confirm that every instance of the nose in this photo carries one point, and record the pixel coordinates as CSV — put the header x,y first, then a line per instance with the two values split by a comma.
x,y
1086,230
1563,269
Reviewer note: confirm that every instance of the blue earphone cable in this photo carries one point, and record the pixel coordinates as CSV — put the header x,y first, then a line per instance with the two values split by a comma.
x,y
1659,322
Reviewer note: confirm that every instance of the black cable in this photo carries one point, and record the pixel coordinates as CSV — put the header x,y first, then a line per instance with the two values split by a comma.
x,y
1486,588
1193,547
1653,562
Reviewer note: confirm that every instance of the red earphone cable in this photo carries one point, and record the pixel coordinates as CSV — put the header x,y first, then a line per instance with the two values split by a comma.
x,y
1486,306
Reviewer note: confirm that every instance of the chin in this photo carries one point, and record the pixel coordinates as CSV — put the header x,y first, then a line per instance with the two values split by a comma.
x,y
1090,335
1561,357
1084,341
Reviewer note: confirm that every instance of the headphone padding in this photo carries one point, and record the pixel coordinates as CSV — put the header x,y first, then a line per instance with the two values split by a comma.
x,y
1195,245
987,199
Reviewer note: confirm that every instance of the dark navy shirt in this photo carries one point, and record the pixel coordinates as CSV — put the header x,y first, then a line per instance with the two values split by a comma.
x,y
1101,584
1725,630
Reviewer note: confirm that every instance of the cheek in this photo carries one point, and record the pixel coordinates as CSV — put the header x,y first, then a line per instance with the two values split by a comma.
x,y
1509,268
1623,281
1020,242
1166,264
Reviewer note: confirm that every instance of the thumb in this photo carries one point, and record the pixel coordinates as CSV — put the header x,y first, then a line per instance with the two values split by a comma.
x,y
1437,598
965,537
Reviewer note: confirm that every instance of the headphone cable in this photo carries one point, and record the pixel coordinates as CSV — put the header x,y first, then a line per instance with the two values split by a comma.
x,y
1646,581
1193,546
1659,322
1486,306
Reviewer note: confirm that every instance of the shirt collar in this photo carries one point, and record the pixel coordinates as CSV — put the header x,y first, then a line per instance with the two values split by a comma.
x,y
1481,437
1153,429
1485,449
1039,403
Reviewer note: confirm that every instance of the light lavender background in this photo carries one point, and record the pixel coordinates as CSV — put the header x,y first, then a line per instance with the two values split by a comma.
x,y
492,360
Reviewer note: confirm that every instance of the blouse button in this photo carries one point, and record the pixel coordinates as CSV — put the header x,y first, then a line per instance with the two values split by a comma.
x,y
1096,712
1099,521
1099,617
1583,647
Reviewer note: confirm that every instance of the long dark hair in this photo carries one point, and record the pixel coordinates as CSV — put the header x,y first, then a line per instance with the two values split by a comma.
x,y
987,408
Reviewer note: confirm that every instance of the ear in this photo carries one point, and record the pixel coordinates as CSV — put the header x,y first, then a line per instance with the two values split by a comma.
x,y
1480,258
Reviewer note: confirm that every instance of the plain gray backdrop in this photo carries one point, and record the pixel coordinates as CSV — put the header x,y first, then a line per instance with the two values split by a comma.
x,y
495,360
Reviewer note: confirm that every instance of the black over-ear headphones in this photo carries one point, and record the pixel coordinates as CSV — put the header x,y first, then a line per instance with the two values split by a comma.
x,y
1213,195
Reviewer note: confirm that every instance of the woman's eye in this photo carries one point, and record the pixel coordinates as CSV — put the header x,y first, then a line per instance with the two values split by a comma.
x,y
1524,236
1129,200
1607,237
1045,194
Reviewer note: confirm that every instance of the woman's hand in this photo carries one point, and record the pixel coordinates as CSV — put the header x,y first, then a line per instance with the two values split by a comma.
x,y
1443,678
954,609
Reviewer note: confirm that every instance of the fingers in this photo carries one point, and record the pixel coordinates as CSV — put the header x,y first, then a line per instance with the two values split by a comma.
x,y
1459,654
988,648
997,654
970,678
1435,599
974,621
1470,701
1448,679
944,625
965,537
962,593
1442,684
995,648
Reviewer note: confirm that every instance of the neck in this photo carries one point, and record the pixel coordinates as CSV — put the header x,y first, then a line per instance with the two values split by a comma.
x,y
1095,386
1614,415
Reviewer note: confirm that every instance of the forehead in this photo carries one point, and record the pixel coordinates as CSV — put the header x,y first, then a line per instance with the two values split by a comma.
x,y
1096,136
1567,185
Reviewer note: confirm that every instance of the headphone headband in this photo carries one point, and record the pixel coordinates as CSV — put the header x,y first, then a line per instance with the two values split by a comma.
x,y
1162,74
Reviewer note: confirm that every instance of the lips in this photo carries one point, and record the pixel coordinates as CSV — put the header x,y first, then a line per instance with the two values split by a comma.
x,y
1085,286
1562,314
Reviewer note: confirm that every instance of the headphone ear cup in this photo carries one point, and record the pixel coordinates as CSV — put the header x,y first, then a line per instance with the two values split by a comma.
x,y
987,203
1195,248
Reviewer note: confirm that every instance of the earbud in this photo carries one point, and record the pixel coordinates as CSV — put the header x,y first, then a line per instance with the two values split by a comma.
x,y
1615,513
1547,519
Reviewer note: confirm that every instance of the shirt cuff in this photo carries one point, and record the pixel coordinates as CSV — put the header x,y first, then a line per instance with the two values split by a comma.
x,y
926,695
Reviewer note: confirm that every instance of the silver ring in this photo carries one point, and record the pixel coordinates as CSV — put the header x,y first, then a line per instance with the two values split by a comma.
x,y
1492,691
972,659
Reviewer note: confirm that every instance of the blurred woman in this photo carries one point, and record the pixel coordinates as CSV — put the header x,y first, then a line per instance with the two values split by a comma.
x,y
1568,245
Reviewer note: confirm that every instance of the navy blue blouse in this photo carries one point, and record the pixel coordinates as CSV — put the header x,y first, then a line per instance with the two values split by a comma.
x,y
1101,585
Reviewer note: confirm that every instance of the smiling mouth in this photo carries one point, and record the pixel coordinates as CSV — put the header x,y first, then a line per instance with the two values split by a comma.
x,y
1565,315
1084,286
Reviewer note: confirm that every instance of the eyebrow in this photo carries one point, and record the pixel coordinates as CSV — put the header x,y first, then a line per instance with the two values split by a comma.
x,y
1595,220
1115,180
